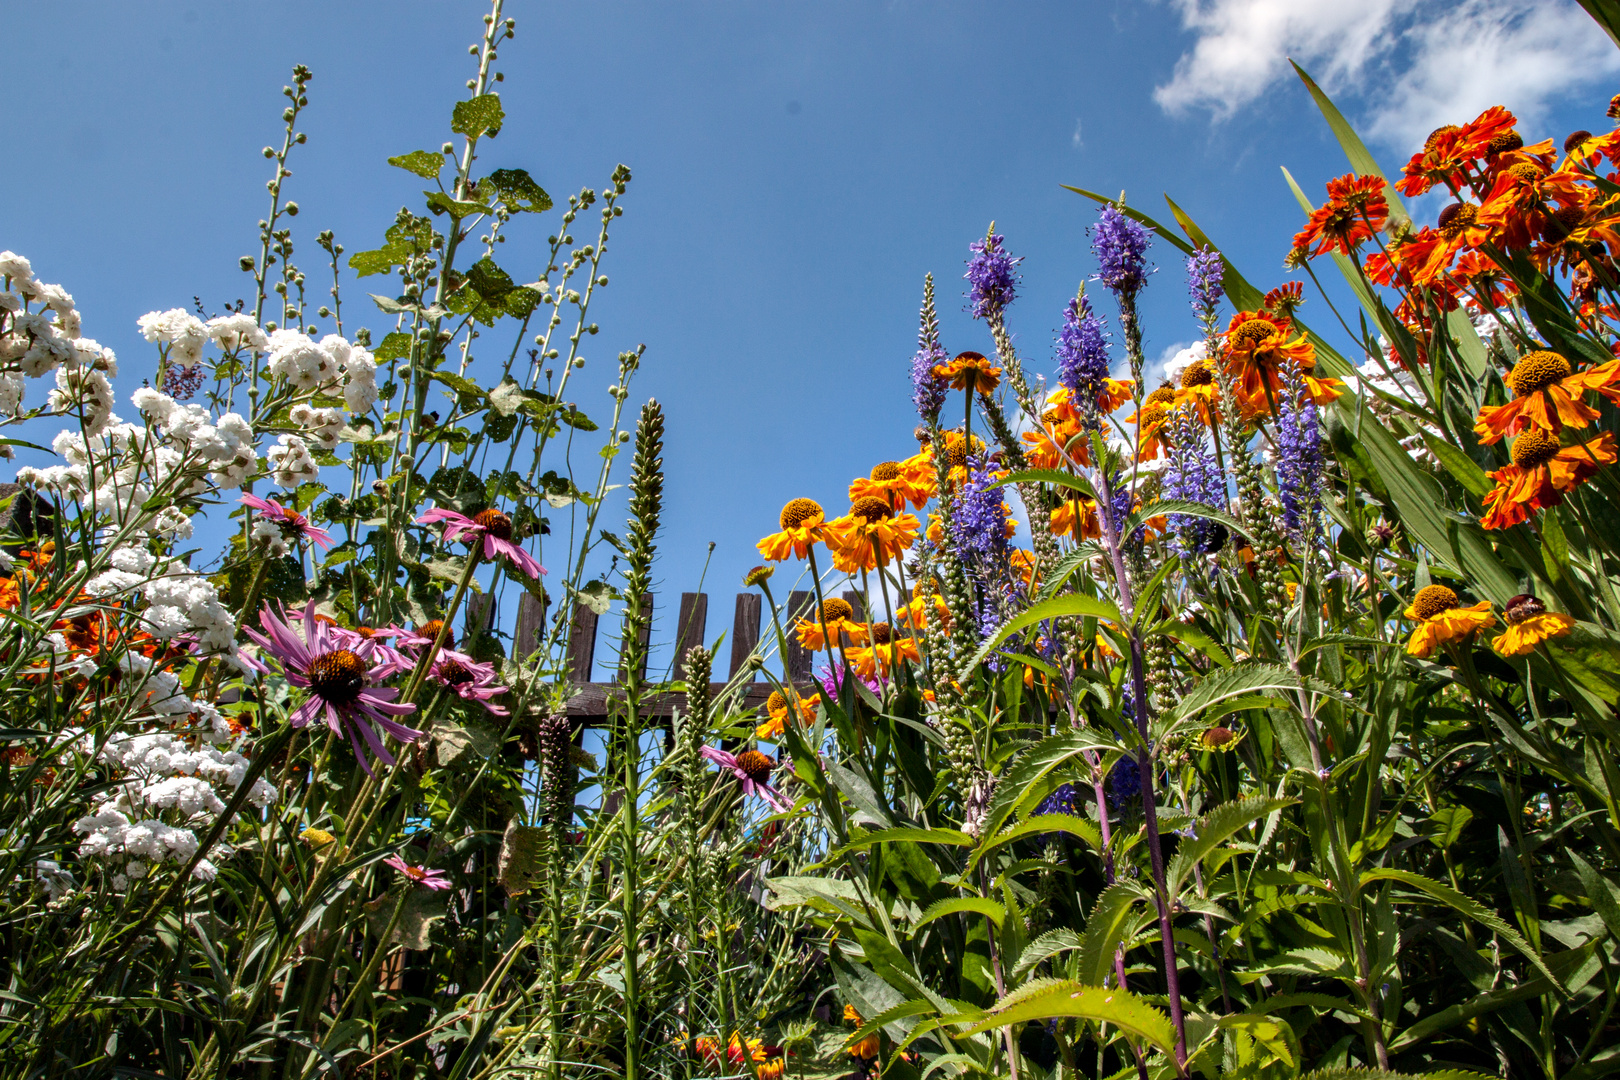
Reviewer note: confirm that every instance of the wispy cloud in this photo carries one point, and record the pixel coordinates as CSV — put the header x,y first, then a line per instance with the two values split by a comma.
x,y
1412,65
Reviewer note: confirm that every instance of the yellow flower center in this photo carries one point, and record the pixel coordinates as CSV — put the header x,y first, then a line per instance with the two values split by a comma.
x,y
1534,448
1537,371
871,508
1198,373
776,702
1431,600
495,523
1524,172
755,765
337,676
1504,144
1251,333
959,450
1522,607
886,471
1164,395
836,607
799,511
1455,218
431,628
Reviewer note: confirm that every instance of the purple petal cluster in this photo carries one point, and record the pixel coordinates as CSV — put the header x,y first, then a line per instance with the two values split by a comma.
x,y
979,516
1063,800
1205,279
832,677
1120,245
1082,352
928,390
1120,504
992,277
1299,456
1124,781
1192,474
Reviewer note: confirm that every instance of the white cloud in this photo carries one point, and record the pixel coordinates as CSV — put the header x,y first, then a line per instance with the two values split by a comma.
x,y
1075,139
1412,64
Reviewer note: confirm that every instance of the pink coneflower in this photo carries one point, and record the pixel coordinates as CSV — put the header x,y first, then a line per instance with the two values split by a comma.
x,y
496,529
369,644
339,680
471,680
754,770
419,875
294,526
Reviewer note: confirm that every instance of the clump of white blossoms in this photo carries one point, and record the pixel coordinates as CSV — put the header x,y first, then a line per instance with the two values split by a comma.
x,y
323,424
290,462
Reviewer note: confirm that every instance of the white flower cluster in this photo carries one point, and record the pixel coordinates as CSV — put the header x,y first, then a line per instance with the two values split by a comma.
x,y
290,462
269,534
162,773
225,445
36,342
179,600
186,335
315,365
322,424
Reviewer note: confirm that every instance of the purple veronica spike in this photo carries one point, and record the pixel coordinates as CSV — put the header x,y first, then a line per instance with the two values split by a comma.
x,y
339,681
979,516
1299,456
992,276
1193,475
928,390
1121,504
1082,352
1205,279
1120,245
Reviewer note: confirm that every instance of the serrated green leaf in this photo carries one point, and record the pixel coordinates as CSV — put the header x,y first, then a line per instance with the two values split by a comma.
x,y
1230,682
1213,830
863,840
479,116
1016,785
1109,923
1056,608
424,163
995,912
1051,999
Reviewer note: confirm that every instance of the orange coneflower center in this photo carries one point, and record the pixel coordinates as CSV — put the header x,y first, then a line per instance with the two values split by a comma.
x,y
1504,144
337,676
871,508
776,702
1162,396
1522,607
1437,134
1455,218
1535,447
1251,333
1537,371
495,523
882,633
1524,171
1217,737
886,471
431,628
1431,600
836,607
799,511
454,673
755,765
1198,373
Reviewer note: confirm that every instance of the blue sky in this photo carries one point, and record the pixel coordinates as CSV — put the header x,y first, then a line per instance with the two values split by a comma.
x,y
798,168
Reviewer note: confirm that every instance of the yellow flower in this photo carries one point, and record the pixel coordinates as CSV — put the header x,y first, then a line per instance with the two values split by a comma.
x,y
1529,624
970,371
802,521
1441,618
838,617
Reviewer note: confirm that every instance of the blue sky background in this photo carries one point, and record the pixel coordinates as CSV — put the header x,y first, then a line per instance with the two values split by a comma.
x,y
798,167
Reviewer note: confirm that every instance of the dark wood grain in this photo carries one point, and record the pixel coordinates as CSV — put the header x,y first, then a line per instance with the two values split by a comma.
x,y
801,604
531,621
689,628
582,644
744,629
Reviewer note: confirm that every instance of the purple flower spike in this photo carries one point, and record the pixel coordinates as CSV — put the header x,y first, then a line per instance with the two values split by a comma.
x,y
1299,456
1206,273
1120,245
979,515
1192,474
928,390
496,530
1082,353
340,682
992,277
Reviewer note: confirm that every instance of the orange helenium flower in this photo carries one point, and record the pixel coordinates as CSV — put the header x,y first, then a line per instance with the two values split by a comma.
x,y
1355,210
1257,345
885,651
802,524
1529,624
1441,618
1541,473
870,535
838,616
1548,396
970,371
894,482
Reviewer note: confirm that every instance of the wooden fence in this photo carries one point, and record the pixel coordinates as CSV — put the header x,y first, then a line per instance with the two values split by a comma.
x,y
590,700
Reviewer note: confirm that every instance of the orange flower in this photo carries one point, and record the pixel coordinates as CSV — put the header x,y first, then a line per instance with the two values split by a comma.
x,y
1529,624
1150,420
869,536
1441,617
886,651
1257,345
1450,150
895,483
838,616
780,710
970,371
802,524
1285,299
1541,473
1024,563
1517,208
1428,255
1548,396
1063,519
917,612
1198,389
1355,210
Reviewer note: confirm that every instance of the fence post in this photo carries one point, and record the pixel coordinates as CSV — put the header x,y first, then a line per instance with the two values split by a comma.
x,y
744,631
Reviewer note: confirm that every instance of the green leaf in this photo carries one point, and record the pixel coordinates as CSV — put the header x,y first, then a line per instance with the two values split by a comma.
x,y
518,191
479,116
862,840
395,345
1214,829
1110,922
1057,608
995,912
1360,159
1042,948
1017,784
1183,506
1233,681
1462,467
440,203
1572,964
1046,999
1468,906
1055,477
1043,823
424,163
1601,893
